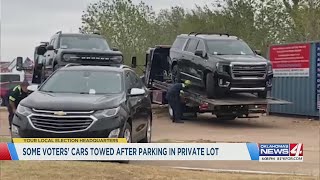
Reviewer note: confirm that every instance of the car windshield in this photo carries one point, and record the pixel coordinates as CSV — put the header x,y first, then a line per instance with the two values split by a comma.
x,y
228,47
83,42
84,82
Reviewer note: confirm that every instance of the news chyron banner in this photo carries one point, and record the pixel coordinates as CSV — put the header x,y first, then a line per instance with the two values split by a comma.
x,y
118,150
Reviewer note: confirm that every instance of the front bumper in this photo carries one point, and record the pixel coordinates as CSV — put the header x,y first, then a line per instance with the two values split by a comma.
x,y
101,128
225,81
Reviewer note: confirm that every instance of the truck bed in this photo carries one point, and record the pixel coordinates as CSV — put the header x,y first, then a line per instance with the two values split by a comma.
x,y
230,100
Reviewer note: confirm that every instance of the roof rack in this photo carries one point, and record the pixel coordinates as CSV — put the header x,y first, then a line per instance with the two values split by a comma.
x,y
221,34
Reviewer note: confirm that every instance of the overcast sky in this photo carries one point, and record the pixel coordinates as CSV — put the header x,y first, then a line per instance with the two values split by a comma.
x,y
25,23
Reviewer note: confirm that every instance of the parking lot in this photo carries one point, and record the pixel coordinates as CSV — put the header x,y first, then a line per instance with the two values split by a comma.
x,y
266,129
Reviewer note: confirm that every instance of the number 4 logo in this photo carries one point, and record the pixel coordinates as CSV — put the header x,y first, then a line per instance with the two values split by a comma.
x,y
296,149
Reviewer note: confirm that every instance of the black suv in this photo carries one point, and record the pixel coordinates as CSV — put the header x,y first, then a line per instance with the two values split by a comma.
x,y
220,63
65,48
88,102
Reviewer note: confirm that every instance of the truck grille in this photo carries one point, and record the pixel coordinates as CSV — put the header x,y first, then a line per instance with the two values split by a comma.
x,y
94,57
249,71
61,124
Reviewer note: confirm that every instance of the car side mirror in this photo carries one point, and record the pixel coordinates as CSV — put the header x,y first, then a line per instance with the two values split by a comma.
x,y
115,49
33,87
199,53
134,62
137,92
258,52
50,47
19,64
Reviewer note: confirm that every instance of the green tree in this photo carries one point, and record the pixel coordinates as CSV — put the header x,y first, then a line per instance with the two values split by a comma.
x,y
126,25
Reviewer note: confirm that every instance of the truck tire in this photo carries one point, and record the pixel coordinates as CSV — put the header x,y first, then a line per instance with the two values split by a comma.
x,y
226,117
176,74
147,138
123,135
211,89
170,110
2,103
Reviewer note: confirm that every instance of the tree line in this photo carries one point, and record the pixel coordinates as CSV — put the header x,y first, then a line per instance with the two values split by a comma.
x,y
134,27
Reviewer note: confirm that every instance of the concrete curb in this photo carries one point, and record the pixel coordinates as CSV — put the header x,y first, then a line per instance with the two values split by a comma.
x,y
238,171
2,108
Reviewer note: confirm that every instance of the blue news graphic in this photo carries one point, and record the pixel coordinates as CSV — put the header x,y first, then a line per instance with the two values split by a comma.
x,y
274,149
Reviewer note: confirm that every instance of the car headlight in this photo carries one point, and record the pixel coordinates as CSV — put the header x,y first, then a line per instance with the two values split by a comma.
x,y
221,67
118,59
23,110
269,68
69,57
107,112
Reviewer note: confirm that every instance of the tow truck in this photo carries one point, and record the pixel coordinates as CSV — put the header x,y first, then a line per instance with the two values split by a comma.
x,y
157,78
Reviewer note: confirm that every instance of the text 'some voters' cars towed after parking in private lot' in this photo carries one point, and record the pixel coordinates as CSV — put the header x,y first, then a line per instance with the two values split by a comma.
x,y
87,101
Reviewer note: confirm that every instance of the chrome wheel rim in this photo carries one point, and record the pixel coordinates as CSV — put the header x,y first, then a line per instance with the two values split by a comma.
x,y
127,135
149,130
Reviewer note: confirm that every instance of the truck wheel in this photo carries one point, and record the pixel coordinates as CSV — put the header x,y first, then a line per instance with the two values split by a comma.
x,y
147,138
170,112
127,133
263,94
211,86
176,74
226,117
2,101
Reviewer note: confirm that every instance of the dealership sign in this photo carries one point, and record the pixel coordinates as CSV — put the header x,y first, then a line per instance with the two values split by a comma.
x,y
290,60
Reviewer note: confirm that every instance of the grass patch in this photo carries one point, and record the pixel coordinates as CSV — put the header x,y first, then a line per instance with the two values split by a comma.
x,y
5,139
95,170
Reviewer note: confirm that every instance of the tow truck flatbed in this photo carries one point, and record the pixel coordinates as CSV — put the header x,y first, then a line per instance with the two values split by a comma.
x,y
231,100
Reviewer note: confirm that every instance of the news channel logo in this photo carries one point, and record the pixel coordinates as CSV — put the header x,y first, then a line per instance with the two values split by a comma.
x,y
292,152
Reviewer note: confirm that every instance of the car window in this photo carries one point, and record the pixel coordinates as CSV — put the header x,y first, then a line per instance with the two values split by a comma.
x,y
192,45
178,43
83,42
229,47
11,85
86,82
52,41
137,83
128,81
201,46
9,77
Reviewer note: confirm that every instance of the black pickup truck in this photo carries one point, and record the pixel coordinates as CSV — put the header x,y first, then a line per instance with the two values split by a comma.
x,y
66,48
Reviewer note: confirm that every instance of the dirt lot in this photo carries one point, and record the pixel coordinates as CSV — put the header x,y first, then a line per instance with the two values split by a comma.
x,y
93,170
267,129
